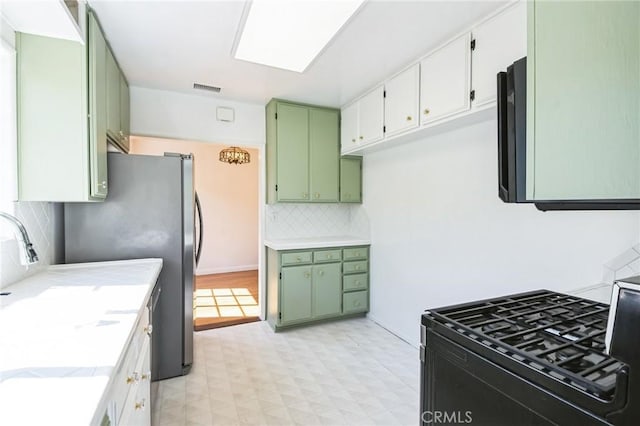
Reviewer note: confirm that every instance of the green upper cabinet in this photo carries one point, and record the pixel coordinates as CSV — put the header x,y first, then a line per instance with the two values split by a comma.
x,y
125,111
583,104
303,153
61,154
113,96
324,158
97,108
117,104
351,179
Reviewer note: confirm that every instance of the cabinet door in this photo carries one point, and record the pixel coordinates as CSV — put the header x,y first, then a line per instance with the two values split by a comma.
x,y
371,116
124,113
324,146
327,290
498,43
444,81
583,108
349,127
113,97
351,180
295,287
292,152
97,110
401,101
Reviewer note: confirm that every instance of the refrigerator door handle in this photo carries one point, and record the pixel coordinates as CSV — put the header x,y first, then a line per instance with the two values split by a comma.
x,y
200,229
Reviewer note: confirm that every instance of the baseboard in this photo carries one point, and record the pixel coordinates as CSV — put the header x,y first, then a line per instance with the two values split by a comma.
x,y
399,336
238,268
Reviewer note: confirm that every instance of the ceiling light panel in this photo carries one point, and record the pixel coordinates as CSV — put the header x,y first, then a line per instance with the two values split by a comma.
x,y
289,34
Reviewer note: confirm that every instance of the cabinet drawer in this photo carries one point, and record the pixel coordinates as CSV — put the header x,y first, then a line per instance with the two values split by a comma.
x,y
356,253
299,258
355,282
355,302
327,256
354,267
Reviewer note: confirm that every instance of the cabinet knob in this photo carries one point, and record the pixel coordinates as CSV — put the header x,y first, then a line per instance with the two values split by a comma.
x,y
357,283
426,111
103,184
298,259
146,376
361,137
148,329
329,256
358,267
409,118
307,274
356,303
133,378
317,195
353,140
121,134
320,272
140,405
305,195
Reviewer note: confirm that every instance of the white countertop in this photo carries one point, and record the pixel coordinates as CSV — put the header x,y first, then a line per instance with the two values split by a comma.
x,y
317,242
62,331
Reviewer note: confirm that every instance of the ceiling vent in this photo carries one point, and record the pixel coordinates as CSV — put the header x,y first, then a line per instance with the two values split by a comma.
x,y
205,87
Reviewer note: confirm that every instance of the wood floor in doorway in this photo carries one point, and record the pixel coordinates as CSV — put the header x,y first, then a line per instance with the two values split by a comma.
x,y
225,299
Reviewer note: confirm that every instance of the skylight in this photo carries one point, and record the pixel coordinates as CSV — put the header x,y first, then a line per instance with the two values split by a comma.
x,y
289,34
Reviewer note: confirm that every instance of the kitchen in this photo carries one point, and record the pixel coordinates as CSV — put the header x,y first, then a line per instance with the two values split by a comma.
x,y
436,231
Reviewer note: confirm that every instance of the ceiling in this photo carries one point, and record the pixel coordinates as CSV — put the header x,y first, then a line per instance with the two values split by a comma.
x,y
170,45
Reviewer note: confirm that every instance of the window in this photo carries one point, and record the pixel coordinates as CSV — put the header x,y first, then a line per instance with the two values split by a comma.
x,y
8,140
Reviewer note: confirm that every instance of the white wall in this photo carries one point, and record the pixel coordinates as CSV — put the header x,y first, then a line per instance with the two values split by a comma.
x,y
175,115
440,234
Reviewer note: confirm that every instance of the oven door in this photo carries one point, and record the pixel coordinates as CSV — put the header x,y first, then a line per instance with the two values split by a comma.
x,y
460,387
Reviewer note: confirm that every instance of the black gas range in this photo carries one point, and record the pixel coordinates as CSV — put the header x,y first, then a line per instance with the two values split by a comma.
x,y
534,358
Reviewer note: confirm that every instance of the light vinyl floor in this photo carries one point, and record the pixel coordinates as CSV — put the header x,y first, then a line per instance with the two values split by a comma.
x,y
351,372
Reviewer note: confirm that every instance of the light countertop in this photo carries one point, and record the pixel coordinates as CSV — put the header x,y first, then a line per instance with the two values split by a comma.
x,y
62,333
317,242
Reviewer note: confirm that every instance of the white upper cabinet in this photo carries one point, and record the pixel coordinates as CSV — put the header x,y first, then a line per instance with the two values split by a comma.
x,y
349,127
401,101
371,116
362,120
445,80
499,42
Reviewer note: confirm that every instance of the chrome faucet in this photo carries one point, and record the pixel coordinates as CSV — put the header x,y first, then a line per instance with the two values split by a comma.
x,y
30,255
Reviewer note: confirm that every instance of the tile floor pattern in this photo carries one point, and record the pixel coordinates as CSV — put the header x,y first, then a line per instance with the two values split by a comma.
x,y
350,372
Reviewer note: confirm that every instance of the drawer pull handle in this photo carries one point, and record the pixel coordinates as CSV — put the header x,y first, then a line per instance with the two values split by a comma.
x,y
133,378
329,256
298,259
148,329
140,405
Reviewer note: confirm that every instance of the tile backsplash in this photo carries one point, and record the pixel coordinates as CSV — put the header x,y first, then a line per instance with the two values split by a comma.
x,y
285,221
39,220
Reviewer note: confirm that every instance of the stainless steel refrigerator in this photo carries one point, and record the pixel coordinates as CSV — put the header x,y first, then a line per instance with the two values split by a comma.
x,y
150,211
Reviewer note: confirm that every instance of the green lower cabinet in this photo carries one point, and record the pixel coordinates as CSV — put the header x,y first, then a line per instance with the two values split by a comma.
x,y
327,290
312,285
354,302
296,294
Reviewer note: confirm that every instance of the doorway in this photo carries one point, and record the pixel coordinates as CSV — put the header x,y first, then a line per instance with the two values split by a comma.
x,y
226,290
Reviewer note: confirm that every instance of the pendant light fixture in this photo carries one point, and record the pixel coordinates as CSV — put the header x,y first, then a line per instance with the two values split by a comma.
x,y
234,155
